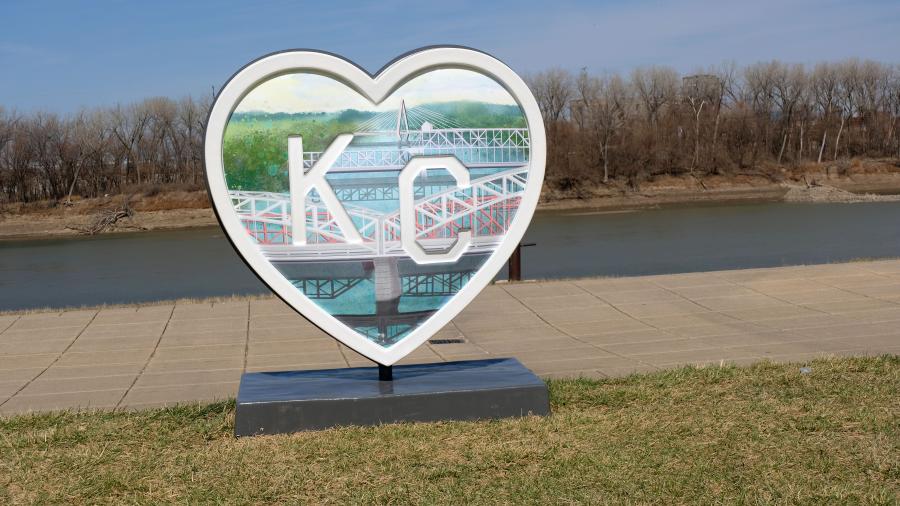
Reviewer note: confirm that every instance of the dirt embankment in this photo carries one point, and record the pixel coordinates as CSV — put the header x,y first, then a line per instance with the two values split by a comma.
x,y
156,211
856,181
846,181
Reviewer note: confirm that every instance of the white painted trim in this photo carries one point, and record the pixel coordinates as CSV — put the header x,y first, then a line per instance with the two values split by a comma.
x,y
375,89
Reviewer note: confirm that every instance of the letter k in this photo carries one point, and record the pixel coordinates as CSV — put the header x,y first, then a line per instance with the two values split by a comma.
x,y
302,183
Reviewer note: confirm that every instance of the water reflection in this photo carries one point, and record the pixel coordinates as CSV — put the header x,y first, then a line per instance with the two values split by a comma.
x,y
383,299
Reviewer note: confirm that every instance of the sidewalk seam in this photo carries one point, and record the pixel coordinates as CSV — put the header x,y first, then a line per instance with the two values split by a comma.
x,y
851,292
32,380
16,319
570,336
147,362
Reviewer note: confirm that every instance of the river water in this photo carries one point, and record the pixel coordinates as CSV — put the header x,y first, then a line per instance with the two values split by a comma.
x,y
150,266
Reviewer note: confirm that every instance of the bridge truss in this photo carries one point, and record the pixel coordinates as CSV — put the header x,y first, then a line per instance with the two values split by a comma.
x,y
474,147
486,208
431,284
385,329
379,189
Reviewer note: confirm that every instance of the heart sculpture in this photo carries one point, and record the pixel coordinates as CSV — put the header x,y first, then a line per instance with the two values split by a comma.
x,y
416,185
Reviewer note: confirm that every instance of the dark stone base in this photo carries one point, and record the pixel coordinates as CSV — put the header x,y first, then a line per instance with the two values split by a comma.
x,y
291,401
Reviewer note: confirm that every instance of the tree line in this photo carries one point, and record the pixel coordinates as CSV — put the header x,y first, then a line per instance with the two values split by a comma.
x,y
722,120
96,152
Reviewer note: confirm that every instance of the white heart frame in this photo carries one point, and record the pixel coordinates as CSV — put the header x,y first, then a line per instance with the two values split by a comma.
x,y
375,88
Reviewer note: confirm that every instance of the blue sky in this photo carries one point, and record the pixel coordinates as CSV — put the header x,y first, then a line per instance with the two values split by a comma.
x,y
60,56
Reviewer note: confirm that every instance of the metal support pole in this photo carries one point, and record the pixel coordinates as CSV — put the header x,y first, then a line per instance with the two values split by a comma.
x,y
385,372
515,262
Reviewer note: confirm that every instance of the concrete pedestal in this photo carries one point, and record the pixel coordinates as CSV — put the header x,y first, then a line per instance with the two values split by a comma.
x,y
291,401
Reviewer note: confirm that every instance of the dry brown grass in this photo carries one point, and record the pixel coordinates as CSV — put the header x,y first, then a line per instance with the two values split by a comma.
x,y
167,201
766,434
144,198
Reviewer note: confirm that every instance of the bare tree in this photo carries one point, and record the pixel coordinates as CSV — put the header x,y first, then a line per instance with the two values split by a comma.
x,y
70,151
600,112
825,94
788,86
190,126
97,139
760,89
702,90
656,87
128,127
893,109
552,89
848,90
7,127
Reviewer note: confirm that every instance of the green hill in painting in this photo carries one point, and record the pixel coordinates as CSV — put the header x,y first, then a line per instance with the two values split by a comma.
x,y
255,145
480,114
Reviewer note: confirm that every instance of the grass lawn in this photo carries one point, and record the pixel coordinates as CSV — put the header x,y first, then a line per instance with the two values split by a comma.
x,y
760,434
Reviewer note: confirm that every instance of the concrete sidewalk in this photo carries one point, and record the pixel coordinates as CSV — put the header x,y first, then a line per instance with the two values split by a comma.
x,y
155,355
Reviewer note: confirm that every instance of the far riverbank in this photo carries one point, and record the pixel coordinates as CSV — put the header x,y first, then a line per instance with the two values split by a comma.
x,y
173,210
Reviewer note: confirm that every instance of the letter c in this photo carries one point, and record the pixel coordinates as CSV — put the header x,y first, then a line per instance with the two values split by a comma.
x,y
408,211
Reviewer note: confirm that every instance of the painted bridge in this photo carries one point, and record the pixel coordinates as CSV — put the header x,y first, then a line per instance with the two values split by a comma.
x,y
391,138
474,147
388,141
486,209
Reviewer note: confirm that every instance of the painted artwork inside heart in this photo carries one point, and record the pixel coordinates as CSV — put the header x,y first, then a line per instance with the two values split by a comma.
x,y
402,200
